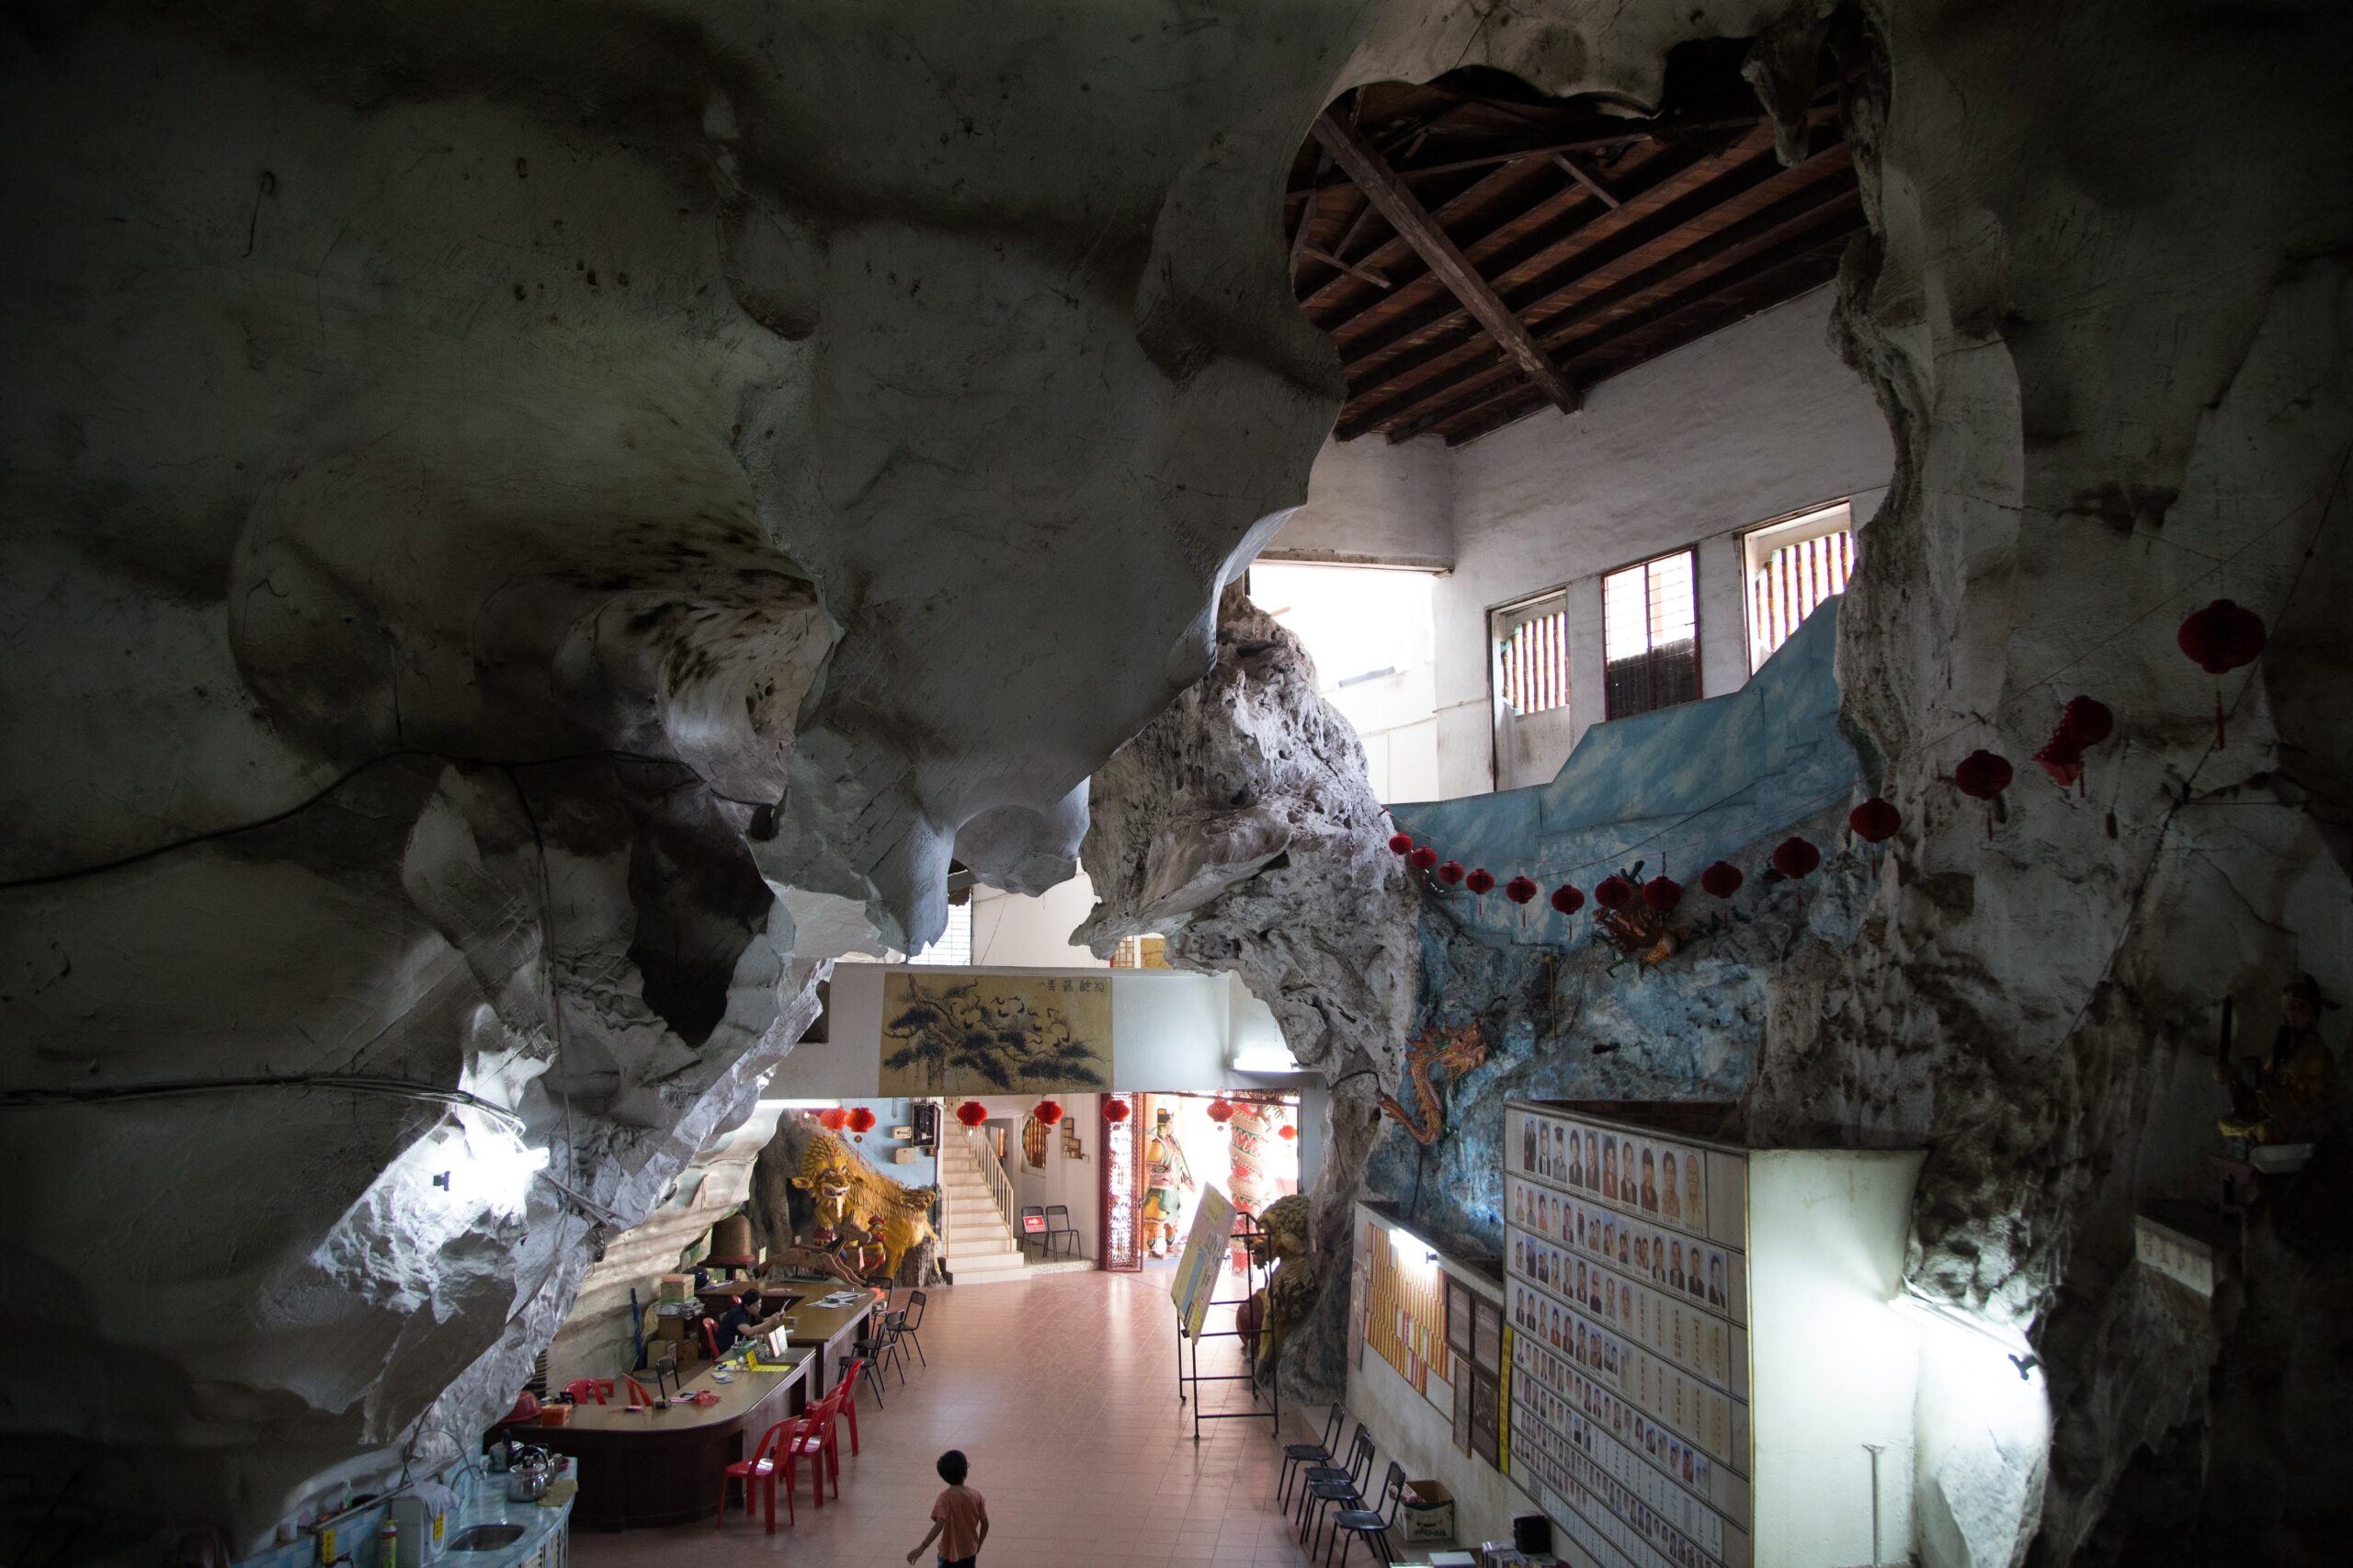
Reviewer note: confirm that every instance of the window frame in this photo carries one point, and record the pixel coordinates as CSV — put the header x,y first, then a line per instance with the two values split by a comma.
x,y
1699,651
1503,707
1748,565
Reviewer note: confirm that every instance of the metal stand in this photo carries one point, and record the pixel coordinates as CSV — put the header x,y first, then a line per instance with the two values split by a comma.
x,y
1255,1277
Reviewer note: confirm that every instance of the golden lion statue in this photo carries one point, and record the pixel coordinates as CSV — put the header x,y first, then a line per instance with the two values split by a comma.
x,y
1290,1291
857,1204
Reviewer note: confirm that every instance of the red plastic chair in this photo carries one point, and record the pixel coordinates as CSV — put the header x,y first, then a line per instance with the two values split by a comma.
x,y
775,1445
850,1369
817,1441
710,1338
585,1391
636,1392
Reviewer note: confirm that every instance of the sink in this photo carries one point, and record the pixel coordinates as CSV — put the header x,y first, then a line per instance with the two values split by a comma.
x,y
485,1538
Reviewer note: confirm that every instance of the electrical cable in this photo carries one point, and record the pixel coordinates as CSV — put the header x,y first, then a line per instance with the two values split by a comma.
x,y
391,1089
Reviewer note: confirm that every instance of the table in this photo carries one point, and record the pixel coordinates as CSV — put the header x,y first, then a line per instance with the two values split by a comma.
x,y
662,1467
828,1332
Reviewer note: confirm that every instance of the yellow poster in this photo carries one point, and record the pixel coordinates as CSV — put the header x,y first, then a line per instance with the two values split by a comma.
x,y
1405,1321
1205,1247
982,1034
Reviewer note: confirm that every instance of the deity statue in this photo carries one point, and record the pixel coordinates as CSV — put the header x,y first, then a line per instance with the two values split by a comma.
x,y
1166,1171
2286,1099
1281,1246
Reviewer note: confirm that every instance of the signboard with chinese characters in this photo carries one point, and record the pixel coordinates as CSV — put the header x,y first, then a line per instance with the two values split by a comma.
x,y
1204,1255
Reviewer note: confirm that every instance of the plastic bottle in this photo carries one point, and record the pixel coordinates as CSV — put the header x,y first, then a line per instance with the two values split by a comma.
x,y
388,1545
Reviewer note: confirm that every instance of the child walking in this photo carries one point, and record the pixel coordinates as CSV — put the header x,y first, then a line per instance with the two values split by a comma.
x,y
959,1520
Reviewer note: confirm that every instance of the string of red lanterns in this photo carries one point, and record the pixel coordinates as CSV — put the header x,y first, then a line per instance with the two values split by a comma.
x,y
2219,637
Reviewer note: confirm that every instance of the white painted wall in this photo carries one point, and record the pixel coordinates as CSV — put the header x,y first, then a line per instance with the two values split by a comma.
x,y
1831,1364
1011,931
1744,426
1076,1183
1374,504
1170,1029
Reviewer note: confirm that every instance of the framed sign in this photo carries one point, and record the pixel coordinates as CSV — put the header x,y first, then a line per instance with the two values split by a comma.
x,y
1033,1224
1458,1317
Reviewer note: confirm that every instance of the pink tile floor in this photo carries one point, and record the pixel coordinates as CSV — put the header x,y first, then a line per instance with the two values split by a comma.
x,y
1061,1390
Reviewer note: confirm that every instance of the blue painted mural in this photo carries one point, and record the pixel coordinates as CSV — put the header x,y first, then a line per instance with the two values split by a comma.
x,y
1568,1016
1675,789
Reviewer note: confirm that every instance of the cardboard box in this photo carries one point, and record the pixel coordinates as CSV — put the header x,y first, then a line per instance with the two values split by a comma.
x,y
678,1287
1428,1512
672,1328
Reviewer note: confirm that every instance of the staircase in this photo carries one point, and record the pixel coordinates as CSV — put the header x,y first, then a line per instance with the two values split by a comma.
x,y
976,1235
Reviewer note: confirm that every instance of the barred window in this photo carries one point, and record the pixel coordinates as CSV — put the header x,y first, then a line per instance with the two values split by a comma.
x,y
1650,635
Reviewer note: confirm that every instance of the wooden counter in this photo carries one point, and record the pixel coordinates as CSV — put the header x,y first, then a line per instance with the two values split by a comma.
x,y
662,1467
828,1332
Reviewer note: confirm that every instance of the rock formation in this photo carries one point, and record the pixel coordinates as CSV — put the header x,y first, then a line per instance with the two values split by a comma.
x,y
1240,827
532,528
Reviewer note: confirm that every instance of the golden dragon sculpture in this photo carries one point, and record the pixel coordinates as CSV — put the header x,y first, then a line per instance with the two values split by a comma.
x,y
1457,1050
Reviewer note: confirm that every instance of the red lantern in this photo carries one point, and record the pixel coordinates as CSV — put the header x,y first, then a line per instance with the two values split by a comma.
x,y
1116,1112
1663,893
971,1113
1614,893
1401,843
1048,1111
1286,1132
1983,776
1220,1110
2088,719
1481,881
2221,637
2084,722
1874,822
1721,879
1520,890
861,1121
1450,873
1796,858
1423,859
832,1118
1567,899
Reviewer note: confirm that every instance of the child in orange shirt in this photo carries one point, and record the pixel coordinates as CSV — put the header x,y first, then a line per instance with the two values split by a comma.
x,y
959,1520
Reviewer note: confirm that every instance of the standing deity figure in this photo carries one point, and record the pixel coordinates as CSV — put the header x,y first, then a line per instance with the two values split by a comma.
x,y
2287,1099
1166,1173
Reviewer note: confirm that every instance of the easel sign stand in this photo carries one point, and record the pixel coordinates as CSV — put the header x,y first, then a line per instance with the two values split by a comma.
x,y
1198,1270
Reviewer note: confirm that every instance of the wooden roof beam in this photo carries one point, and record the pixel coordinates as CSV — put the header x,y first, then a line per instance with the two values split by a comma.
x,y
1413,221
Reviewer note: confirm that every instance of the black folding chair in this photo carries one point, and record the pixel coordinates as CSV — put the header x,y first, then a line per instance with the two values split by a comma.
x,y
1058,1225
1373,1526
1307,1454
910,1323
1330,1486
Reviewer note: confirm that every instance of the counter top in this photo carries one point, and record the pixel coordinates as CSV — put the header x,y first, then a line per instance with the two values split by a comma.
x,y
745,1392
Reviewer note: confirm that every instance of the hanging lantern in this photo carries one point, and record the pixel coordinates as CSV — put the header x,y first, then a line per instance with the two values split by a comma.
x,y
1721,879
2084,722
1568,899
1116,1112
1401,843
1983,776
1220,1110
862,1122
1874,822
1520,890
832,1118
1613,892
971,1113
1422,859
1048,1111
2219,639
1663,893
1450,873
1286,1132
1796,858
1481,881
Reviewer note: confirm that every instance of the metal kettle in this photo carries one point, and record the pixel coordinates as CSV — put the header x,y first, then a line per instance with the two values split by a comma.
x,y
528,1476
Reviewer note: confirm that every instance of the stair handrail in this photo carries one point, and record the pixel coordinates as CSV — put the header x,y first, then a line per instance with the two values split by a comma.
x,y
993,1172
